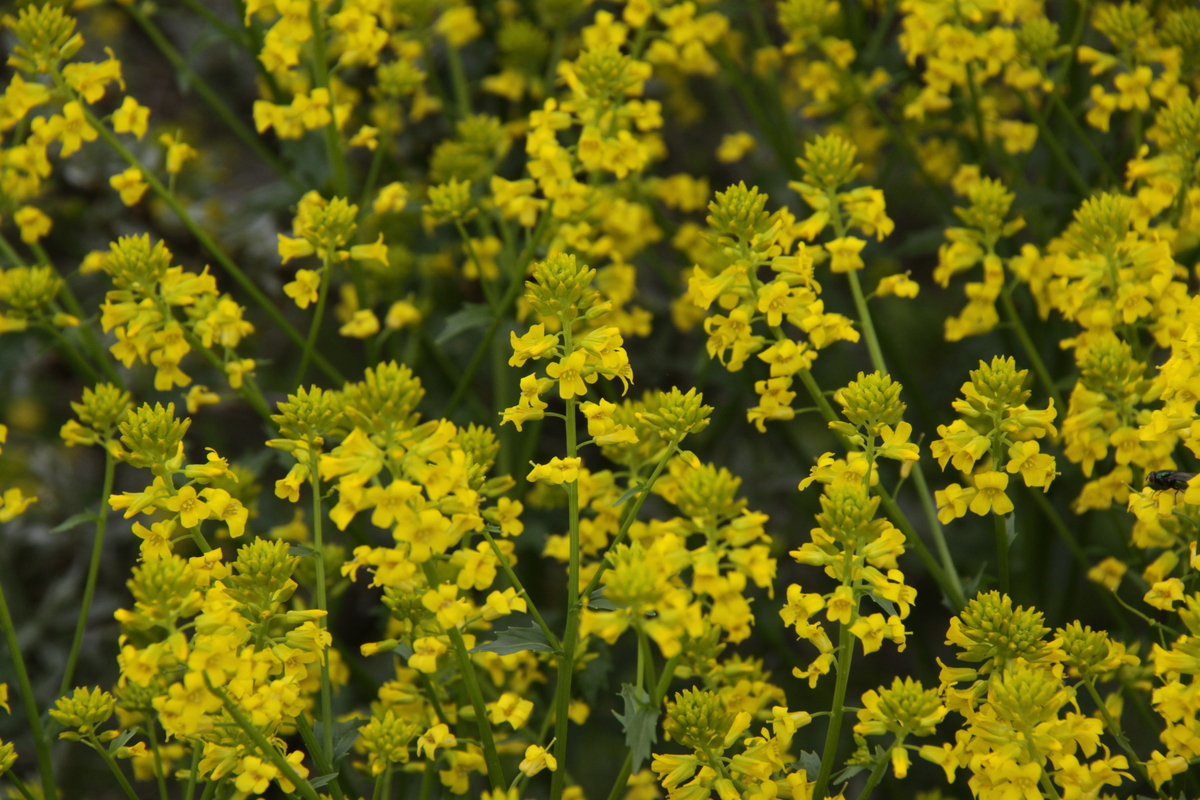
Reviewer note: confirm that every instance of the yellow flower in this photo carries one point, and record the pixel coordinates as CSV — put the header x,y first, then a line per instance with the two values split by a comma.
x,y
178,152
364,323
401,314
844,254
734,146
989,494
131,118
568,373
458,26
952,503
305,289
130,185
537,759
557,471
33,222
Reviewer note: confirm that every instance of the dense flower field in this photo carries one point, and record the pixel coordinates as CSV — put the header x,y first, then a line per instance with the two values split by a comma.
x,y
551,398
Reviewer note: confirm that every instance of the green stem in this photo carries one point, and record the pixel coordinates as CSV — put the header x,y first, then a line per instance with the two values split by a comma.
x,y
210,245
1055,146
1001,536
506,302
45,766
977,114
238,36
315,325
333,137
159,777
566,659
265,747
516,582
113,766
879,770
323,605
89,589
71,353
864,318
21,786
1082,134
471,681
189,790
249,390
837,710
1031,349
184,70
1138,764
324,766
458,79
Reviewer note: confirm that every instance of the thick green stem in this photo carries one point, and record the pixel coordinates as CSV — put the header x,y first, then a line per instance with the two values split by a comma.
x,y
89,589
837,709
333,136
1000,527
159,777
323,605
114,767
566,659
45,765
184,70
868,325
314,328
458,79
324,767
210,245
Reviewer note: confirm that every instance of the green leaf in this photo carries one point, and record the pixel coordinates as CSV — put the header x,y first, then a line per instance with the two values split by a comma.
x,y
847,774
403,650
885,604
630,492
75,519
321,780
514,640
1010,528
640,723
598,602
469,317
810,762
121,740
301,551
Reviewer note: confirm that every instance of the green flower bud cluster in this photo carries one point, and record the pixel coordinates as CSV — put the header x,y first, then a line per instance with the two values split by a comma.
x,y
677,414
907,707
990,204
739,214
990,630
1101,223
387,739
164,590
450,201
872,401
327,225
1038,40
262,577
848,514
994,388
707,494
85,710
153,438
1027,693
481,142
1125,24
399,78
480,445
1088,652
384,399
562,287
1108,366
633,581
47,36
26,290
404,603
8,756
605,74
829,162
698,719
309,414
104,407
136,266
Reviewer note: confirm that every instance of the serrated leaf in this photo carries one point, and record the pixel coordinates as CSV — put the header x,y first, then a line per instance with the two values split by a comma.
x,y
514,640
301,551
810,762
640,723
630,492
598,602
847,774
469,317
73,520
